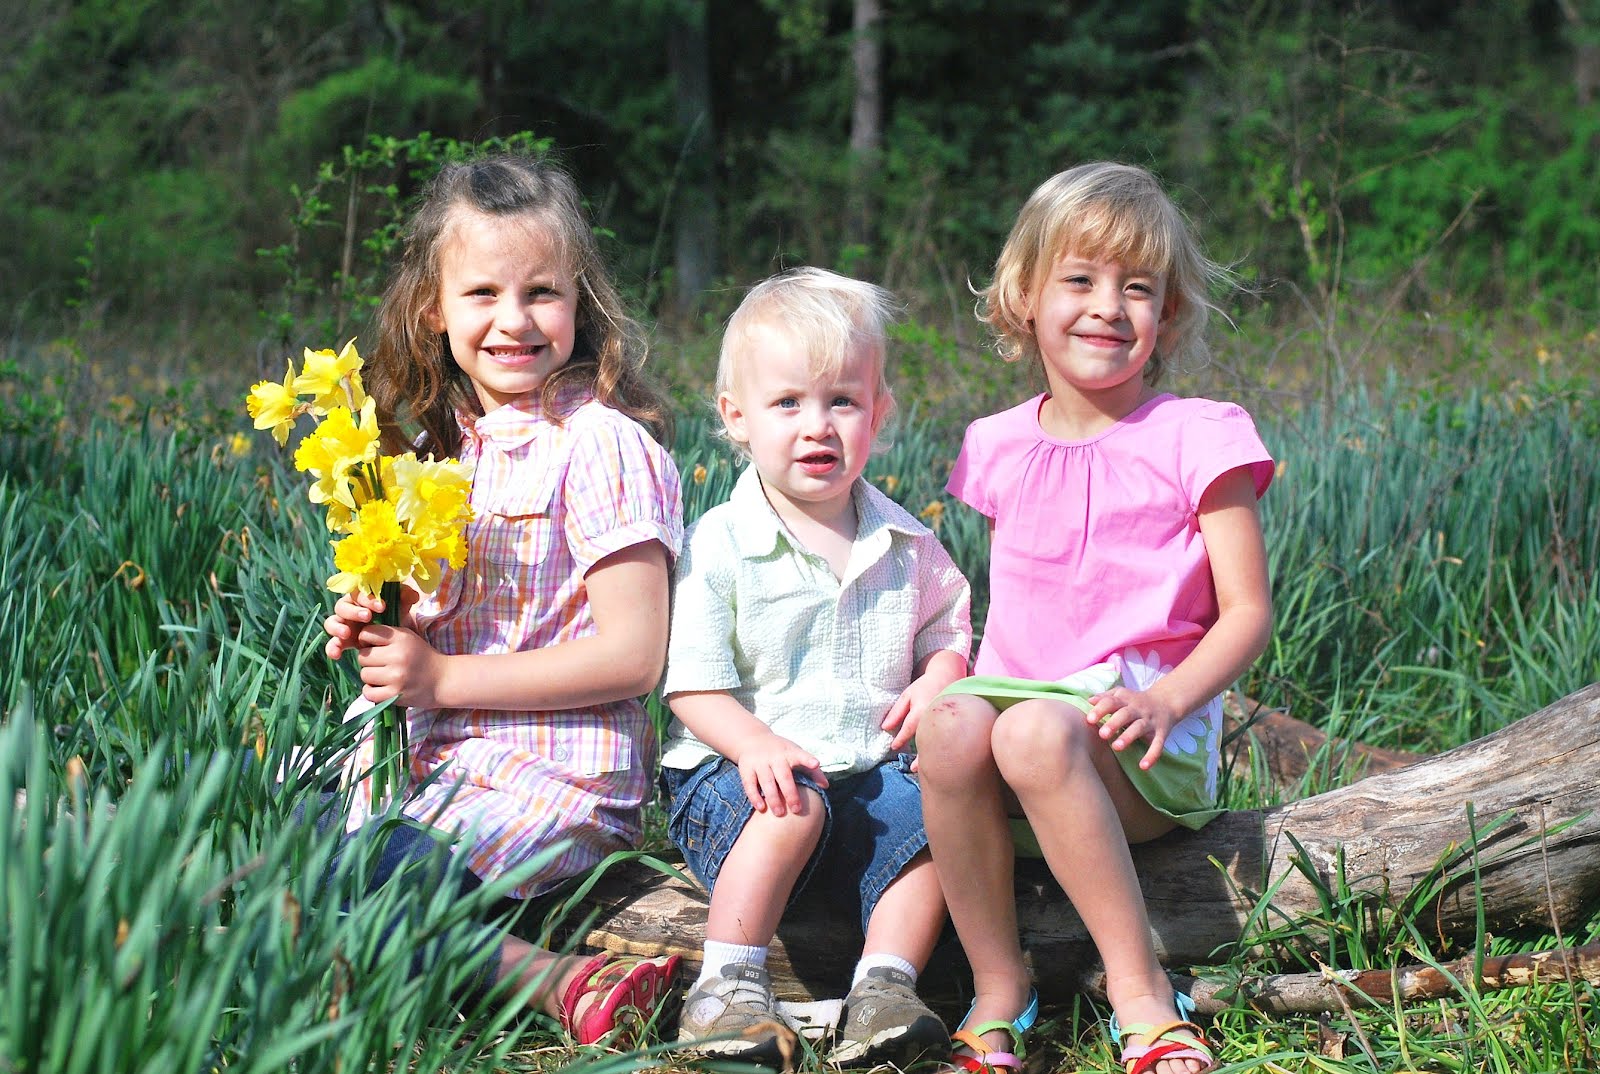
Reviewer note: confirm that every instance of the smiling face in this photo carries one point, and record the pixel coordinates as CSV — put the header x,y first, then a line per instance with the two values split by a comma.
x,y
1097,323
809,433
507,303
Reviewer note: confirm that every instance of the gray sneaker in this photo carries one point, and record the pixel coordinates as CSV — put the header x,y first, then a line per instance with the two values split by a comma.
x,y
733,1015
886,1021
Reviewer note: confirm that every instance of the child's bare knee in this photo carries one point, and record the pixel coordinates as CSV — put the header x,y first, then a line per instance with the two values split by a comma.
x,y
955,727
1039,740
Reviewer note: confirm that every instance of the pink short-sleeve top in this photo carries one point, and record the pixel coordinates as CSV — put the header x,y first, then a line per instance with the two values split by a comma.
x,y
1096,546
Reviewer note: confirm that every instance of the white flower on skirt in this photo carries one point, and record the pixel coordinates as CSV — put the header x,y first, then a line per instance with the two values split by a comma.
x,y
1200,730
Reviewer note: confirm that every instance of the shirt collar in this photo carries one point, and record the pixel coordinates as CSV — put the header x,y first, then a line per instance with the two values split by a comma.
x,y
758,530
515,424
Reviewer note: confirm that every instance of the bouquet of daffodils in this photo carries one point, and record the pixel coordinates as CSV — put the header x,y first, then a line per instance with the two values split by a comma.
x,y
398,518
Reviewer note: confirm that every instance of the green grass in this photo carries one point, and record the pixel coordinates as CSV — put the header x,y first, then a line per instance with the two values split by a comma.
x,y
1434,558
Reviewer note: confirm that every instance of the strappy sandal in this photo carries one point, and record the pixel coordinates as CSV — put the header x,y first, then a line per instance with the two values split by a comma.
x,y
629,994
1174,1040
983,1061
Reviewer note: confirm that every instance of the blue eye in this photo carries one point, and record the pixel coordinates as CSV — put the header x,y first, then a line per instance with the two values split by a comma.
x,y
788,402
843,400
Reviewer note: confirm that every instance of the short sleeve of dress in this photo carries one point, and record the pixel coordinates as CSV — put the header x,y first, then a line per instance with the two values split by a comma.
x,y
700,647
620,489
944,611
967,476
1219,438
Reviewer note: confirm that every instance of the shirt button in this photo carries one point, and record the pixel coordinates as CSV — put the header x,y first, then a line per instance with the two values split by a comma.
x,y
562,753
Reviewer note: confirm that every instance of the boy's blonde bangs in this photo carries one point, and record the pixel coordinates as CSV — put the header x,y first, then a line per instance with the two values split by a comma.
x,y
832,318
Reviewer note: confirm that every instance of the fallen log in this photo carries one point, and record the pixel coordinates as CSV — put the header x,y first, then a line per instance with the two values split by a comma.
x,y
1510,818
1288,748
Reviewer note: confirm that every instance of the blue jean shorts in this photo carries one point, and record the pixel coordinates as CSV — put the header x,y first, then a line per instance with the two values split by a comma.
x,y
871,827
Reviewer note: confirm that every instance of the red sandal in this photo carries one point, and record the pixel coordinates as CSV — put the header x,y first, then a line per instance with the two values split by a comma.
x,y
629,991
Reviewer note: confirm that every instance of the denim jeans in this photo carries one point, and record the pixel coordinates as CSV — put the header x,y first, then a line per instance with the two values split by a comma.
x,y
872,827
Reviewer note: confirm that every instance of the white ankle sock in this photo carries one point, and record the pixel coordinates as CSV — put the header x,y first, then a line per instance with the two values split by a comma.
x,y
718,955
894,962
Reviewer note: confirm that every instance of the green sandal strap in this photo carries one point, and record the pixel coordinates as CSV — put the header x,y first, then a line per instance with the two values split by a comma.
x,y
972,1036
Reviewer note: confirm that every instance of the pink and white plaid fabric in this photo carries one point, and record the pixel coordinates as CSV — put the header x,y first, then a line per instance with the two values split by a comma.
x,y
550,501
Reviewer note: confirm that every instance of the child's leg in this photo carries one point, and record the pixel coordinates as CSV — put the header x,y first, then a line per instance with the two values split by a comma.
x,y
1084,812
752,863
909,916
878,846
760,872
963,805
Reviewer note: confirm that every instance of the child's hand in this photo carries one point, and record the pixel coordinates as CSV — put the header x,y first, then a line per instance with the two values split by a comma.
x,y
903,717
350,614
1125,716
906,712
354,611
396,662
766,768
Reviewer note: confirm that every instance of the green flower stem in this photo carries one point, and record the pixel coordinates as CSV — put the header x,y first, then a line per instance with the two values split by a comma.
x,y
391,746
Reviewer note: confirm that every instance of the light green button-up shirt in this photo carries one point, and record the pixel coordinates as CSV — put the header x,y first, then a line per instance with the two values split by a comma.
x,y
818,659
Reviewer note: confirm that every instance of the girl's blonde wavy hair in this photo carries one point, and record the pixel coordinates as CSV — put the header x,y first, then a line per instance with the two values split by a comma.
x,y
1104,212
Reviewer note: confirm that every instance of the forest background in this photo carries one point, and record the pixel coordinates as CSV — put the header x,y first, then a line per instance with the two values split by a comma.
x,y
191,187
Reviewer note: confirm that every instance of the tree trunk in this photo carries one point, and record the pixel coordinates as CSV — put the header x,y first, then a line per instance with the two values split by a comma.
x,y
1517,808
866,117
1332,990
695,219
1585,53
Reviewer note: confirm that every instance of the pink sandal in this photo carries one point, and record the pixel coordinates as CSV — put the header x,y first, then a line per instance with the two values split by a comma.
x,y
629,995
1145,1045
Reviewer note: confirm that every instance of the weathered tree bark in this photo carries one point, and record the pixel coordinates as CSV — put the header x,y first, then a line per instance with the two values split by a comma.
x,y
1512,815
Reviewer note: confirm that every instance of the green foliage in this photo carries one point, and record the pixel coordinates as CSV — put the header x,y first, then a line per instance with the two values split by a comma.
x,y
347,227
1351,151
1432,158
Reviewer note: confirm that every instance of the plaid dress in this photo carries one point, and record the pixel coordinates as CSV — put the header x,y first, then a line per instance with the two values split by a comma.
x,y
550,502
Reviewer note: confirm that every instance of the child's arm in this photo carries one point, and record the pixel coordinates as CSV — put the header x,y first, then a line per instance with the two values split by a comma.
x,y
1231,526
623,658
766,760
943,637
934,673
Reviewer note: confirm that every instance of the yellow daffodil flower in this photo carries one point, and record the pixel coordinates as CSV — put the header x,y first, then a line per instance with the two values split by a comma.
x,y
429,497
275,406
378,550
335,452
323,378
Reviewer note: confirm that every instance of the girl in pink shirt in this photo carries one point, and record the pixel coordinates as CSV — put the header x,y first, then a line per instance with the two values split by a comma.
x,y
502,341
1128,586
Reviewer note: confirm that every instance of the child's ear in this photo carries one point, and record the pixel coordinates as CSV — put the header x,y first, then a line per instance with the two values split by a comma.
x,y
732,417
1169,310
433,319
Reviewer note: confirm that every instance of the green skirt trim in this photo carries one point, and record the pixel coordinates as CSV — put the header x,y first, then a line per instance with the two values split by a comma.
x,y
1175,786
